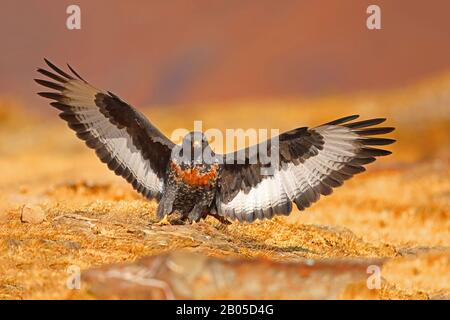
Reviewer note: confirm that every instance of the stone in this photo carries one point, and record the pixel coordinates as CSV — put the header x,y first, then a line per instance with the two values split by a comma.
x,y
187,275
32,214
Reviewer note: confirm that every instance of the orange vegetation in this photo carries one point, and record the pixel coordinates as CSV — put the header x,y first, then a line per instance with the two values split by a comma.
x,y
398,210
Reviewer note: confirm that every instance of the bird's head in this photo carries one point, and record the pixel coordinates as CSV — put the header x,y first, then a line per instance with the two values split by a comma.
x,y
194,145
195,140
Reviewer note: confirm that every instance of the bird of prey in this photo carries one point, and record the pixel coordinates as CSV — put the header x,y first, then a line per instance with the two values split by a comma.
x,y
312,161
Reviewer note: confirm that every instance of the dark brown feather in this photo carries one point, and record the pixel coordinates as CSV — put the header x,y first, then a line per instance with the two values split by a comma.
x,y
58,70
365,123
50,84
342,120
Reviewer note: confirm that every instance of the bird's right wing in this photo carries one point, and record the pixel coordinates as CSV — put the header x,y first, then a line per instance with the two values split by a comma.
x,y
121,136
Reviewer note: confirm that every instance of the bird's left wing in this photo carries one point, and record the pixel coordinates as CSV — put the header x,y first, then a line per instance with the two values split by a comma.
x,y
121,136
312,161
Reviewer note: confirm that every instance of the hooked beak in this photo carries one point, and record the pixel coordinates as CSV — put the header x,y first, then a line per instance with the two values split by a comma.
x,y
196,143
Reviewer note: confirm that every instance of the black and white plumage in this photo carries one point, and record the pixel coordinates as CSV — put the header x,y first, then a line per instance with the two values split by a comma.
x,y
312,161
120,135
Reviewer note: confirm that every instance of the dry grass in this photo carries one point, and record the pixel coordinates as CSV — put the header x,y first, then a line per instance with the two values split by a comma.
x,y
399,208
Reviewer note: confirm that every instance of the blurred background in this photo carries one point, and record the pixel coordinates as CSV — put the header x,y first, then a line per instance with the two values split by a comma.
x,y
232,64
181,52
251,63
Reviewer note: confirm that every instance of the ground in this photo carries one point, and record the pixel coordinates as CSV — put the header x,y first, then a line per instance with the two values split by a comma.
x,y
398,211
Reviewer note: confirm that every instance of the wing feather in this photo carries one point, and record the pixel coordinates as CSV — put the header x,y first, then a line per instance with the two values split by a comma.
x,y
313,162
120,135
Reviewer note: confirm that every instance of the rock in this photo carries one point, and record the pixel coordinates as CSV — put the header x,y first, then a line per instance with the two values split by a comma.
x,y
440,296
185,275
32,214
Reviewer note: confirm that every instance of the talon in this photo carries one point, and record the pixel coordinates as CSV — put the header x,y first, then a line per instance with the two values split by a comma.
x,y
164,221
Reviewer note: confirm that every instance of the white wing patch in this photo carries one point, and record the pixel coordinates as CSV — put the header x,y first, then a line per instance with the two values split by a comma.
x,y
117,141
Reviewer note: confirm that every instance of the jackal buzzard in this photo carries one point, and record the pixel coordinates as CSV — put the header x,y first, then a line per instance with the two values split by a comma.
x,y
312,161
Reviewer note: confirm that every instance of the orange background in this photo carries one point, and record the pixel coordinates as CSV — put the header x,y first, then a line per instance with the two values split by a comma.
x,y
177,52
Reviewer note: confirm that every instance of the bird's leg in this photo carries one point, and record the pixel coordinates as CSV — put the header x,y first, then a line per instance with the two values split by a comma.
x,y
163,212
196,213
165,207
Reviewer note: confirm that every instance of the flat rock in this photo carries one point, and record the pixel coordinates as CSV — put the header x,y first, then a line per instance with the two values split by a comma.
x,y
32,214
186,275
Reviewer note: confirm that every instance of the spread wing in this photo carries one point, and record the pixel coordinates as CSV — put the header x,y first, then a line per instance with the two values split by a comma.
x,y
312,161
121,136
